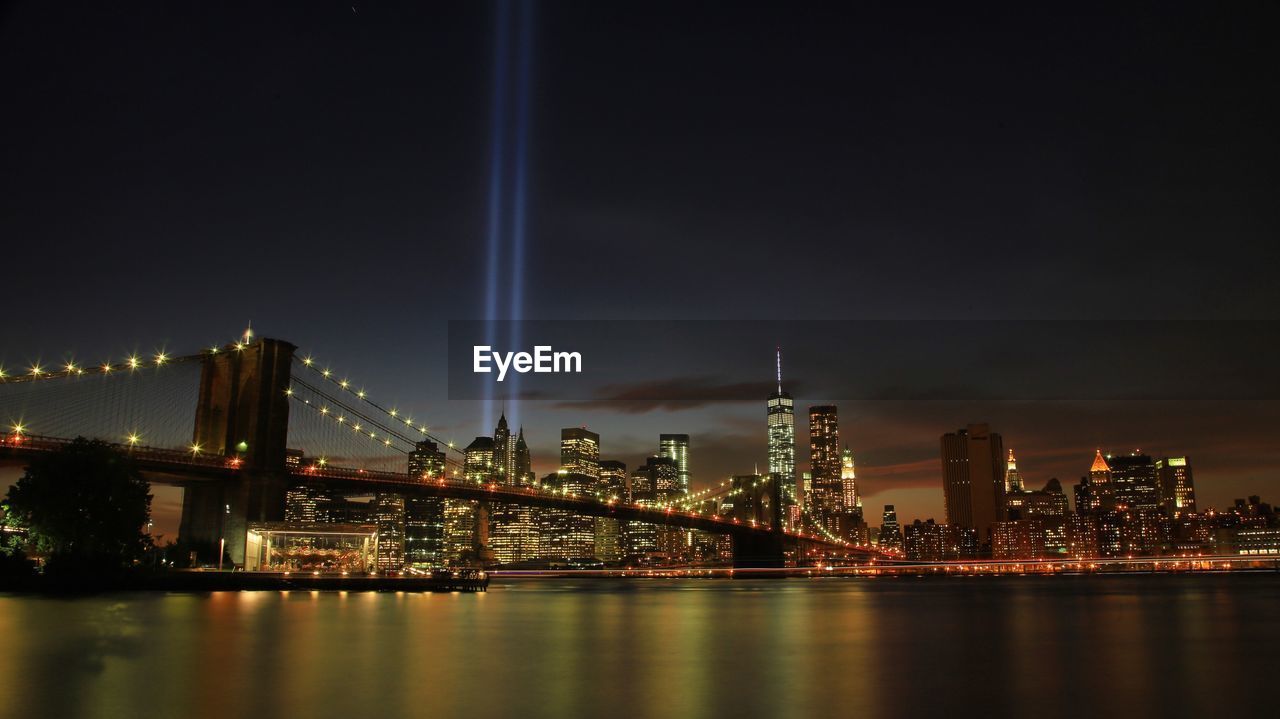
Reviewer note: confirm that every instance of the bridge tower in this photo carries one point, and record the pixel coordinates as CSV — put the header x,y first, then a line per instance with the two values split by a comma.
x,y
757,550
242,412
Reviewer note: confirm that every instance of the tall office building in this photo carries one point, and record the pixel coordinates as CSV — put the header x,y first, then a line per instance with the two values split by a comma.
x,y
890,531
1135,483
424,545
308,504
522,461
782,441
827,485
461,527
477,463
973,474
676,447
563,534
1177,489
611,487
1012,477
424,532
513,529
426,461
1100,482
580,451
852,499
613,481
388,513
504,453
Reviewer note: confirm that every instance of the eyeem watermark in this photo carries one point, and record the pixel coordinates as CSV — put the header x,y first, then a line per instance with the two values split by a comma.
x,y
542,361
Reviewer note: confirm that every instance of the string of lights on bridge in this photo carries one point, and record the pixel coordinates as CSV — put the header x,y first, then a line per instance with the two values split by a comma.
x,y
346,385
71,369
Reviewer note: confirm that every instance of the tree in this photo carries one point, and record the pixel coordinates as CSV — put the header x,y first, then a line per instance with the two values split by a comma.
x,y
85,506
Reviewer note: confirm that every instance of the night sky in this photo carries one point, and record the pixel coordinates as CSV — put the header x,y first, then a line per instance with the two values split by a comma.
x,y
171,171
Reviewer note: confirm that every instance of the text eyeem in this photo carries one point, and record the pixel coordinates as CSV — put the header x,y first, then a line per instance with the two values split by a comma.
x,y
543,360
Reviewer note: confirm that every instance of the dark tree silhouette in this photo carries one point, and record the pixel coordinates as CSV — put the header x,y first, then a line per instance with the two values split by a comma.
x,y
85,506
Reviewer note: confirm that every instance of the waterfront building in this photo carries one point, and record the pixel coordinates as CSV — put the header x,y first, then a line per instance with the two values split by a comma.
x,y
1048,507
1082,536
973,476
1017,539
388,514
923,541
640,539
424,545
611,487
424,532
565,535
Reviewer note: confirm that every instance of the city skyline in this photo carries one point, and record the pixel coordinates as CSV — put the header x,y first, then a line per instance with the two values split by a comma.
x,y
913,486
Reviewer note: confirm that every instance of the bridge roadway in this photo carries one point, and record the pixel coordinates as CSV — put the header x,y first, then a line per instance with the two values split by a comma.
x,y
168,466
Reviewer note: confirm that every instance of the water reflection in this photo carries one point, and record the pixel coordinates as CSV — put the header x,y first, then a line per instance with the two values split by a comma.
x,y
1060,646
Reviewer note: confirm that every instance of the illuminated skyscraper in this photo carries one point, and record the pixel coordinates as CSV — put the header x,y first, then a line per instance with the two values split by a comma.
x,y
612,486
477,464
388,512
504,453
825,465
1012,478
676,447
973,474
1177,489
513,529
653,484
1100,481
460,521
426,461
563,534
522,461
849,484
782,438
424,516
580,451
424,532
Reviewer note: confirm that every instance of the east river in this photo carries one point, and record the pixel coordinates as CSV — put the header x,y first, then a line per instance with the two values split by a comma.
x,y
1085,646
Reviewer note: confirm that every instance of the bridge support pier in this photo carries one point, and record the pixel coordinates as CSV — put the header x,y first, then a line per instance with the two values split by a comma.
x,y
219,513
480,548
243,413
758,551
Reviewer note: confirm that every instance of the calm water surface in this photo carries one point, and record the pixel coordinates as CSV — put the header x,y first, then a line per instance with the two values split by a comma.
x,y
1061,646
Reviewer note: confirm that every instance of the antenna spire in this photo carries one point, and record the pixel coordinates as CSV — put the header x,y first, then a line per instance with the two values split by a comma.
x,y
779,370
